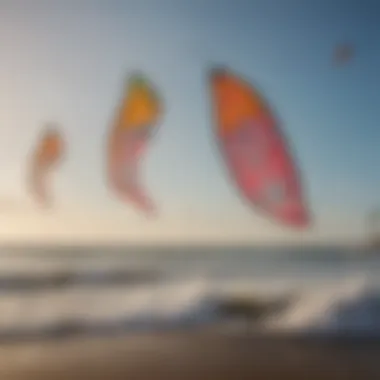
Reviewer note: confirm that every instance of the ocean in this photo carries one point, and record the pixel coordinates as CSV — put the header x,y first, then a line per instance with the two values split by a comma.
x,y
58,291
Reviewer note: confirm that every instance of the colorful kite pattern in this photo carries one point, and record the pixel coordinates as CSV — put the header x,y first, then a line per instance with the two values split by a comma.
x,y
136,121
254,150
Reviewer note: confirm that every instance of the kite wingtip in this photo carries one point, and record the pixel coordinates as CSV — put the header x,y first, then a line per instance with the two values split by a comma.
x,y
299,219
303,223
51,129
217,71
136,77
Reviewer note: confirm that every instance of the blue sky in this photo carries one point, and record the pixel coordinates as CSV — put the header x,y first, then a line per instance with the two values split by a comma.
x,y
66,61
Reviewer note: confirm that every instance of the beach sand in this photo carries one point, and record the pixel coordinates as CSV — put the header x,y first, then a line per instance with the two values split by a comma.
x,y
189,355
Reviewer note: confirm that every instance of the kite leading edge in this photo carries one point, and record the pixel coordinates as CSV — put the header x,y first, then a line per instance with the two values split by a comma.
x,y
254,150
46,156
136,121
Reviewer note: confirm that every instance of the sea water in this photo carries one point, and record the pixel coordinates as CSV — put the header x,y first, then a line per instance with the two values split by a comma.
x,y
48,290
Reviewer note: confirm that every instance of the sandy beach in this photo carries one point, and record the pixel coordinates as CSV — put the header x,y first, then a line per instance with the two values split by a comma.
x,y
189,355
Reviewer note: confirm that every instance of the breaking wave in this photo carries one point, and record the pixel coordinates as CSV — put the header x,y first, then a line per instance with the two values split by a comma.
x,y
348,308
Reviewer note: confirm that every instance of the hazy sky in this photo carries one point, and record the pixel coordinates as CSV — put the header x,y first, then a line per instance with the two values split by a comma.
x,y
66,61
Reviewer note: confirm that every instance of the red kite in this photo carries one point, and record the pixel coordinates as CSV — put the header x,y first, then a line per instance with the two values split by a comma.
x,y
255,152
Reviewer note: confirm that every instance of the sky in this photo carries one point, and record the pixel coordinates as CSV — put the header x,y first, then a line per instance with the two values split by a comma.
x,y
67,62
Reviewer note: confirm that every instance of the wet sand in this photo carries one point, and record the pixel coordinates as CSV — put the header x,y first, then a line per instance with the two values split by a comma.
x,y
183,356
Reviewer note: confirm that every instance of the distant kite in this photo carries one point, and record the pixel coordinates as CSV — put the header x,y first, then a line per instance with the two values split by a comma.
x,y
343,54
47,154
136,121
254,150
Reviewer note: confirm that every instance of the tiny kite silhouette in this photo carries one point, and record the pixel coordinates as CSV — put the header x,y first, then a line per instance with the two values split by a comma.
x,y
136,121
255,151
46,156
343,54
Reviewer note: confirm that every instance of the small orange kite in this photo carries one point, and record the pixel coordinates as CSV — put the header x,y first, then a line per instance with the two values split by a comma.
x,y
47,154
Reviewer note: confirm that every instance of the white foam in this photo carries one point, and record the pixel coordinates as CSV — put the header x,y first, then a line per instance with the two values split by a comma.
x,y
327,306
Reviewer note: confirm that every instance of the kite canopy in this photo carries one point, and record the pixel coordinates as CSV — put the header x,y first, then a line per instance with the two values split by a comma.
x,y
47,154
136,120
254,150
343,53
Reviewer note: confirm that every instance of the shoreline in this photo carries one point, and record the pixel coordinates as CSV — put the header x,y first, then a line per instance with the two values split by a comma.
x,y
197,355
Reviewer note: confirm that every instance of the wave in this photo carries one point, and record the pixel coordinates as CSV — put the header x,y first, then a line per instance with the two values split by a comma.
x,y
348,311
352,308
29,282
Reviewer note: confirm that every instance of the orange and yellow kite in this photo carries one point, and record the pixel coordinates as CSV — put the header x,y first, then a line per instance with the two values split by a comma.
x,y
135,123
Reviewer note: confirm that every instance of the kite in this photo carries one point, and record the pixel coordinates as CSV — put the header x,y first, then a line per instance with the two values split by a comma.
x,y
136,121
48,153
343,54
254,150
